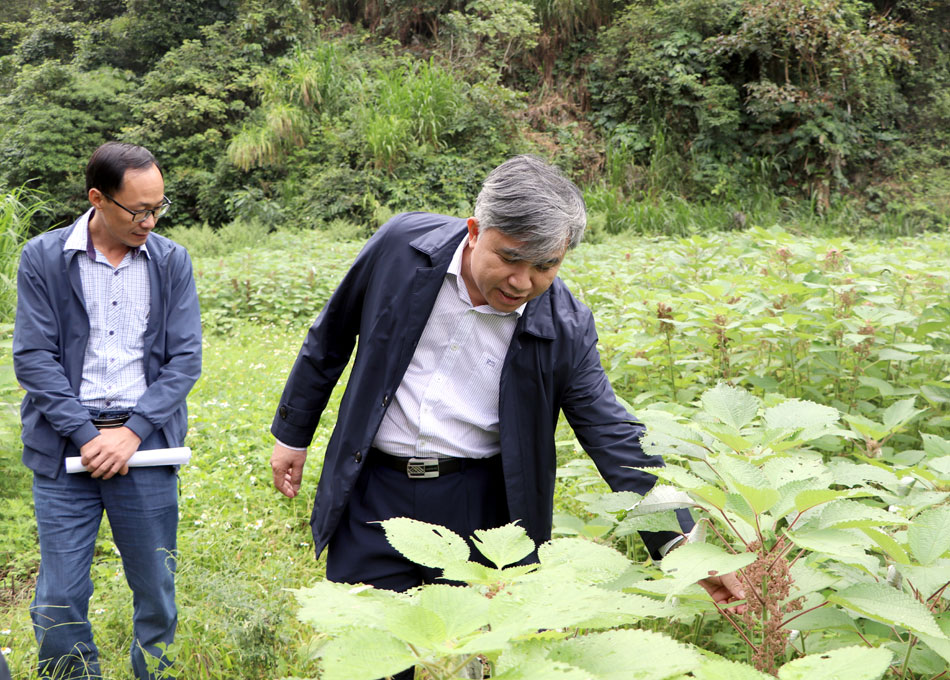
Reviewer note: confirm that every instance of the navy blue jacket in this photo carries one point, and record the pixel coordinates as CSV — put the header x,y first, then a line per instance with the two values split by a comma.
x,y
49,344
552,364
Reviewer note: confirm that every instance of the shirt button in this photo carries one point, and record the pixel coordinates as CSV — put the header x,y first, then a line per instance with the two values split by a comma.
x,y
108,403
114,303
455,348
358,456
111,332
115,273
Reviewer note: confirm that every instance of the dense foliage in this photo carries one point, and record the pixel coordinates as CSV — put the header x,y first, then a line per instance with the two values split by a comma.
x,y
303,114
796,387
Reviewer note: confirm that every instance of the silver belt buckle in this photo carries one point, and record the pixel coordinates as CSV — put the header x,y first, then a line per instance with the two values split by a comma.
x,y
422,468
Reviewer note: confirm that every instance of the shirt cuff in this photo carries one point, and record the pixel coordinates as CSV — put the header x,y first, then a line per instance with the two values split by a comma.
x,y
669,545
302,449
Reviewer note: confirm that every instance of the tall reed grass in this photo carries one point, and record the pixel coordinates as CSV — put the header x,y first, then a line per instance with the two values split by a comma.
x,y
17,209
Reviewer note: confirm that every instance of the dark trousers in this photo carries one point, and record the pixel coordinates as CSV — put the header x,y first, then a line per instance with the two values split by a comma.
x,y
463,501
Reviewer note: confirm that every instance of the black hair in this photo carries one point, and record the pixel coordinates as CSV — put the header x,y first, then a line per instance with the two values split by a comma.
x,y
110,161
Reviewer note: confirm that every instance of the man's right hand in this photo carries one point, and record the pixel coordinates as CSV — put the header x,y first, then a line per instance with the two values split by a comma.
x,y
108,454
287,465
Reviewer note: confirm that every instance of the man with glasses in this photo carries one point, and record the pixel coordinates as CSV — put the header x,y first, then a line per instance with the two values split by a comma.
x,y
107,345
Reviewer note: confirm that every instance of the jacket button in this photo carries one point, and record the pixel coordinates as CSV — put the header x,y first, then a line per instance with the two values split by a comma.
x,y
385,400
358,456
283,412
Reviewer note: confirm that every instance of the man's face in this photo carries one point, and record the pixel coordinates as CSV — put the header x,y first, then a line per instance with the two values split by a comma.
x,y
140,190
496,273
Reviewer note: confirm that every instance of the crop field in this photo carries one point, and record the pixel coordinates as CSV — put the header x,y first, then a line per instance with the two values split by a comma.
x,y
798,388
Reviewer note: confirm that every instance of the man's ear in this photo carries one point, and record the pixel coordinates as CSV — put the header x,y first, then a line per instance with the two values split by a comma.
x,y
96,197
472,231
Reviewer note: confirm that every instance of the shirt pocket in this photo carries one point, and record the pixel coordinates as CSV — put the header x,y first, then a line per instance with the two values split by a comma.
x,y
482,389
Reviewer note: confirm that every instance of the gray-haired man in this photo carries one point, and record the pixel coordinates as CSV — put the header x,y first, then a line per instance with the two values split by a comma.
x,y
469,347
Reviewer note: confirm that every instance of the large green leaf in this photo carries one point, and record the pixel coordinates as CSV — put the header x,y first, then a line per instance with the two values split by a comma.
x,y
888,544
462,610
717,668
811,498
749,482
845,545
928,536
900,413
843,514
696,561
935,446
663,498
729,436
590,562
427,544
675,475
881,602
503,545
364,655
796,414
627,655
417,626
846,663
866,426
331,607
732,405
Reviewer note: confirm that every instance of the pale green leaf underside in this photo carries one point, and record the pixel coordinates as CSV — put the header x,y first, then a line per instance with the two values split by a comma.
x,y
426,544
696,561
732,405
504,545
847,663
364,655
928,536
723,669
881,602
627,655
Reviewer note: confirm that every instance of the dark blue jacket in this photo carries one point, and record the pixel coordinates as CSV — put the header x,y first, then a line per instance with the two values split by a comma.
x,y
49,344
552,364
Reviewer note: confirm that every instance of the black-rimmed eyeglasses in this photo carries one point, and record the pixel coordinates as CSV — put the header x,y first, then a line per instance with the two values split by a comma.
x,y
142,215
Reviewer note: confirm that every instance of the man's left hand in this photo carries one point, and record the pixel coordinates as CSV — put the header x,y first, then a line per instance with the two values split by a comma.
x,y
724,590
109,453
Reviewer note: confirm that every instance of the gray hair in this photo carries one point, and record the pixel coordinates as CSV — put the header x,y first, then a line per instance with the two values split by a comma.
x,y
533,202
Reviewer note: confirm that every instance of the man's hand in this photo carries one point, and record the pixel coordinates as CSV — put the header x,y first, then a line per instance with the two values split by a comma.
x,y
724,590
109,453
287,465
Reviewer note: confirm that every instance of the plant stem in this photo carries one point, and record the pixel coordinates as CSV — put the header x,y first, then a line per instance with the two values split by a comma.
x,y
734,625
911,641
802,613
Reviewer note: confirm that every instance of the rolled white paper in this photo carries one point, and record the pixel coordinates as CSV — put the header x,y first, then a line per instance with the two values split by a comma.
x,y
174,456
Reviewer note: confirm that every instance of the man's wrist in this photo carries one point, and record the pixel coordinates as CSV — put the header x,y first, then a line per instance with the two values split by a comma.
x,y
301,449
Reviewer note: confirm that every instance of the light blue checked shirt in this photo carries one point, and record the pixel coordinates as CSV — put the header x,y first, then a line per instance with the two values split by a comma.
x,y
118,300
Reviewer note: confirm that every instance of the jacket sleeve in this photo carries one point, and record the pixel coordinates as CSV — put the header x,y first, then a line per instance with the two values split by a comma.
x,y
36,353
326,351
608,432
181,365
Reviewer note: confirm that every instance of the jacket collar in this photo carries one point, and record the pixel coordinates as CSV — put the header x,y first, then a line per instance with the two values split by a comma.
x,y
440,244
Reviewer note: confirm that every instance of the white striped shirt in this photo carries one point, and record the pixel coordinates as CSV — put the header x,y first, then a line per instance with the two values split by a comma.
x,y
118,301
447,402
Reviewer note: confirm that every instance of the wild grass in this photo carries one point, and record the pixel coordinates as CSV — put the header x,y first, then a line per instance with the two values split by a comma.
x,y
17,209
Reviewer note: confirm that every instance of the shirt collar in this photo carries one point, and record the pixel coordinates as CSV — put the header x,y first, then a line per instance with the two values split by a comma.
x,y
455,269
79,238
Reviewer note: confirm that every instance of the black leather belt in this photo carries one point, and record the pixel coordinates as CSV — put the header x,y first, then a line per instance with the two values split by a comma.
x,y
422,468
112,421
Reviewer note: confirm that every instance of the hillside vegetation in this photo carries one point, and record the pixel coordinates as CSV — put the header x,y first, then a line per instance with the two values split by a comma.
x,y
675,116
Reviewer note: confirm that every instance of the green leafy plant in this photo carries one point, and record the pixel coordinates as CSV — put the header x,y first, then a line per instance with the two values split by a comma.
x,y
560,617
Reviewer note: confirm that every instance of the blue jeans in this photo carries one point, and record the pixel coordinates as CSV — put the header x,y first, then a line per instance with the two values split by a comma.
x,y
143,513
